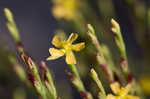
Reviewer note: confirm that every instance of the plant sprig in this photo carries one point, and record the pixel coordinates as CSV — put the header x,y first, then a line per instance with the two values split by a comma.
x,y
32,71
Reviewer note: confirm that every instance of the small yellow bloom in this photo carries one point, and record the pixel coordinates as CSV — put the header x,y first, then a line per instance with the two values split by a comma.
x,y
145,84
66,48
64,9
121,93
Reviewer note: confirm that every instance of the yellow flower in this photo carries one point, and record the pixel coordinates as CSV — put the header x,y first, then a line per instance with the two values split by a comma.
x,y
145,84
66,48
121,93
64,9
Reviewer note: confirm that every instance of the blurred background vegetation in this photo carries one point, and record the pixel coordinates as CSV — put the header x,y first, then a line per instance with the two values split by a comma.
x,y
39,20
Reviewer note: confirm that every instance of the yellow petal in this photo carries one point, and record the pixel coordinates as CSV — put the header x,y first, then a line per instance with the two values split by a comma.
x,y
55,53
72,37
131,97
110,96
125,91
58,39
127,88
79,46
115,87
145,84
58,12
70,58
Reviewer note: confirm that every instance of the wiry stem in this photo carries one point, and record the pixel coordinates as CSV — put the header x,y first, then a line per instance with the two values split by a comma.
x,y
99,84
33,73
18,68
124,62
47,78
31,66
100,56
78,84
121,46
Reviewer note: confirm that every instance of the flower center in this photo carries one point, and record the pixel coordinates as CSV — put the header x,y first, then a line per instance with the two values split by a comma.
x,y
67,46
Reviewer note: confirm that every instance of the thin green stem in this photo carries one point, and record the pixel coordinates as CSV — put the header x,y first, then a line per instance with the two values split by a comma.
x,y
98,82
74,70
100,56
121,46
76,73
12,25
77,82
32,67
48,80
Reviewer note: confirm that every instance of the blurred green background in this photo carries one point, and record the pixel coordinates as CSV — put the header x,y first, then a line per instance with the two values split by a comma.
x,y
37,26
